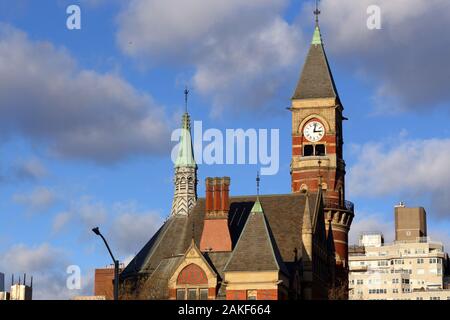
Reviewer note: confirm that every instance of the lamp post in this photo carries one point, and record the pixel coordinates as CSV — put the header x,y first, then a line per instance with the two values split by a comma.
x,y
96,230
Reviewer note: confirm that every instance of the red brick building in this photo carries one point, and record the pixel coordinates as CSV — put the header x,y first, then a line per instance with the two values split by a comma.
x,y
287,246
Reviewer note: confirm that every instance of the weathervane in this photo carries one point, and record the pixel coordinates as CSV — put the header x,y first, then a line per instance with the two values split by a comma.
x,y
186,93
258,179
317,12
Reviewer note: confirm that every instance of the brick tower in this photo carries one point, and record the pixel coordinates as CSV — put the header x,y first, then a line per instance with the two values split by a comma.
x,y
317,146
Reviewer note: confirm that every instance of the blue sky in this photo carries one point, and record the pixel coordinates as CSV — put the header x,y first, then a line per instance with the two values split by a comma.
x,y
86,115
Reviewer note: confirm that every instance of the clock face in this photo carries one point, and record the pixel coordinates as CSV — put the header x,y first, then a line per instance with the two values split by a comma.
x,y
314,131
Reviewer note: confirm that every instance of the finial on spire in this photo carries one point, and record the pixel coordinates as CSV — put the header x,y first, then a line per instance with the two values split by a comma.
x,y
186,93
258,179
317,12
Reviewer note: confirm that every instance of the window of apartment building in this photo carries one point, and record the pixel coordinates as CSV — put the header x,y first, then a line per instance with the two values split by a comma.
x,y
360,281
435,298
394,290
382,263
420,261
395,280
419,298
405,281
433,260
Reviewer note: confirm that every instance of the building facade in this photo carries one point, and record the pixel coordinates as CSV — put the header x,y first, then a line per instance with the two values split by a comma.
x,y
411,268
285,246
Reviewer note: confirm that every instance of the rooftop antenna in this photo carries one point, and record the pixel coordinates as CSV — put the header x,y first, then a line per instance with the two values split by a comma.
x,y
24,277
317,12
31,284
12,279
186,94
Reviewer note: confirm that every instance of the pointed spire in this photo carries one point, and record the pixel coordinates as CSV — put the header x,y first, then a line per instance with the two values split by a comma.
x,y
316,80
185,179
186,152
307,223
317,36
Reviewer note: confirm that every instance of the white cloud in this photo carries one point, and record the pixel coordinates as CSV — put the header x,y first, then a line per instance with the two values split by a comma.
x,y
366,222
405,59
131,230
47,265
30,169
40,199
414,168
79,113
125,226
60,221
242,52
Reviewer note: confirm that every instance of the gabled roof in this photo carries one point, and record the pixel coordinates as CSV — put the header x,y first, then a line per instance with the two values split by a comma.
x,y
283,216
316,80
256,249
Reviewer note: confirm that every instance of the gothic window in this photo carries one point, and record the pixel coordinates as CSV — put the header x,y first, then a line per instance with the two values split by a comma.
x,y
192,283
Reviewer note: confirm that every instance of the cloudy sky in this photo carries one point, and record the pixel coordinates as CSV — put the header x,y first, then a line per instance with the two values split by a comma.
x,y
86,115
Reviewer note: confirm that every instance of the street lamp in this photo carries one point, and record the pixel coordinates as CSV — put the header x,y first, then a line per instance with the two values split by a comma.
x,y
96,230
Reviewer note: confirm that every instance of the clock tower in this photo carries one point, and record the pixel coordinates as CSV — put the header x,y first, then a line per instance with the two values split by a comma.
x,y
317,145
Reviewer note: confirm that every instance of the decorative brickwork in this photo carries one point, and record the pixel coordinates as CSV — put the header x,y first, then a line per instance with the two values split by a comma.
x,y
193,275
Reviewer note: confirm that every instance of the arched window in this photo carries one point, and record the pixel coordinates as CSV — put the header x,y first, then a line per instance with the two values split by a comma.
x,y
192,283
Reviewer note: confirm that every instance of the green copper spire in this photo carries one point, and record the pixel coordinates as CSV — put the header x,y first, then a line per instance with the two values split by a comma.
x,y
185,153
317,37
257,208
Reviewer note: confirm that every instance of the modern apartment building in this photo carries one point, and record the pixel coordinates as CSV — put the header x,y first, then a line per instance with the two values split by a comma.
x,y
411,268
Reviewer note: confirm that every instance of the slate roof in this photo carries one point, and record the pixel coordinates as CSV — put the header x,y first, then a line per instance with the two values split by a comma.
x,y
256,249
283,215
316,80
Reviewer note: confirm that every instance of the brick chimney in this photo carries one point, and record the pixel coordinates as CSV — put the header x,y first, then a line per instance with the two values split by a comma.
x,y
216,235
